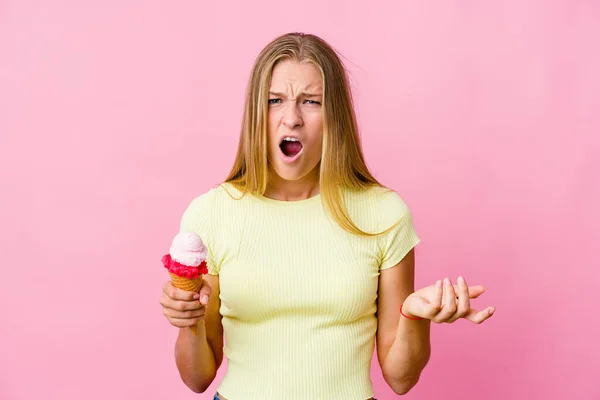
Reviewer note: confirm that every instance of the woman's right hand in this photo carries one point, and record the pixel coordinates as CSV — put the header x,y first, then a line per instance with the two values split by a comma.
x,y
183,308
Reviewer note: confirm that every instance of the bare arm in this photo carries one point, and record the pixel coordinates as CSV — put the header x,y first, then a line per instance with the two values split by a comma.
x,y
403,345
197,357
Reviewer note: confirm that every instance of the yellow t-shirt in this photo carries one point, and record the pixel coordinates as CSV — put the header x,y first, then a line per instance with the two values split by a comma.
x,y
298,293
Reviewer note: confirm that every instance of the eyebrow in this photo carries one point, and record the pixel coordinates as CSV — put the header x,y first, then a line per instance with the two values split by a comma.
x,y
302,93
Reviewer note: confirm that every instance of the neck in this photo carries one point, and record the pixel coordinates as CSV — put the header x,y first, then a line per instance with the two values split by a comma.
x,y
301,189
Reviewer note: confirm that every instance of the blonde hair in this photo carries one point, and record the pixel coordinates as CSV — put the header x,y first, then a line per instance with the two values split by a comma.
x,y
342,161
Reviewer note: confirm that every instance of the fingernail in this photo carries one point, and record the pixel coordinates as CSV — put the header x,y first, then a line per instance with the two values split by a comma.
x,y
438,284
461,280
196,296
446,281
205,299
491,311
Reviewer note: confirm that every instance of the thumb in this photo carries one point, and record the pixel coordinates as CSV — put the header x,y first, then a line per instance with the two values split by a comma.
x,y
205,292
414,306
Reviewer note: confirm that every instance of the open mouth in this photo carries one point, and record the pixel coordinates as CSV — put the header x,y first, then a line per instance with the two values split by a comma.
x,y
290,147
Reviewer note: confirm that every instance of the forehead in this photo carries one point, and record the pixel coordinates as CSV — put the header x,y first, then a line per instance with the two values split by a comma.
x,y
303,75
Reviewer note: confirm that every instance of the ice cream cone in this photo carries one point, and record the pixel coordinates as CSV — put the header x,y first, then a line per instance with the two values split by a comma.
x,y
191,285
186,263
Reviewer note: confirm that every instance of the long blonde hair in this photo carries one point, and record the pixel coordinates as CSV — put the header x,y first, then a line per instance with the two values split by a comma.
x,y
342,161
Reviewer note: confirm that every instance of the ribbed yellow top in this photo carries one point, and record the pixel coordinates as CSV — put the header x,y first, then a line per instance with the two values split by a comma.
x,y
298,293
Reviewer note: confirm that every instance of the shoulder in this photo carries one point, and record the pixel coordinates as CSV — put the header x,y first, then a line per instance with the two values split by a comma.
x,y
376,208
213,198
202,207
390,204
391,207
222,204
380,199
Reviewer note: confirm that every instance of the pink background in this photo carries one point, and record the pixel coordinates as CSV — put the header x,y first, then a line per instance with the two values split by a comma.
x,y
485,116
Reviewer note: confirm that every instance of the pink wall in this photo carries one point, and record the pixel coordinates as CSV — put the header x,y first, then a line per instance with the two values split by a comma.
x,y
485,116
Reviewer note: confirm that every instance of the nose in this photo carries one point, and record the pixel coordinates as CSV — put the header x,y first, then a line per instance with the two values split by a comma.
x,y
291,116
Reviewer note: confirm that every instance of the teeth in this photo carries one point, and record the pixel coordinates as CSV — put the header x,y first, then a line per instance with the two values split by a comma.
x,y
290,139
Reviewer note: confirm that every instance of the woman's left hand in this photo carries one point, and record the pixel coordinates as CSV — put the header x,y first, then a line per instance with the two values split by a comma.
x,y
444,302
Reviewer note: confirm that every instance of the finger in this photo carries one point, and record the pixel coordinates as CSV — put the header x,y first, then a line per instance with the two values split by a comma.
x,y
474,291
463,302
179,294
205,292
478,317
184,323
436,305
170,313
448,303
178,305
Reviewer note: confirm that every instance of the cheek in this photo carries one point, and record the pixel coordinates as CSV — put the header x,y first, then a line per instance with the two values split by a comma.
x,y
315,127
316,146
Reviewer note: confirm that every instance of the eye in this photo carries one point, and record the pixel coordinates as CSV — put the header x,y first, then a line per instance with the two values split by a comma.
x,y
274,101
312,102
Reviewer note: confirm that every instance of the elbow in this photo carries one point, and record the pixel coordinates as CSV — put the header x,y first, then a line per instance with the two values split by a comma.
x,y
402,386
197,389
194,381
197,383
196,386
402,380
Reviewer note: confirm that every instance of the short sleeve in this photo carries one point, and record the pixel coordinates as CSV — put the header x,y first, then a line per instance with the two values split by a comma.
x,y
198,218
401,238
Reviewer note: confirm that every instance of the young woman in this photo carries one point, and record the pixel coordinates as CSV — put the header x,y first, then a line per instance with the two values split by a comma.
x,y
310,259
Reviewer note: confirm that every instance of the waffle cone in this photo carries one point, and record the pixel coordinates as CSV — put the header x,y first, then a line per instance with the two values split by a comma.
x,y
191,285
